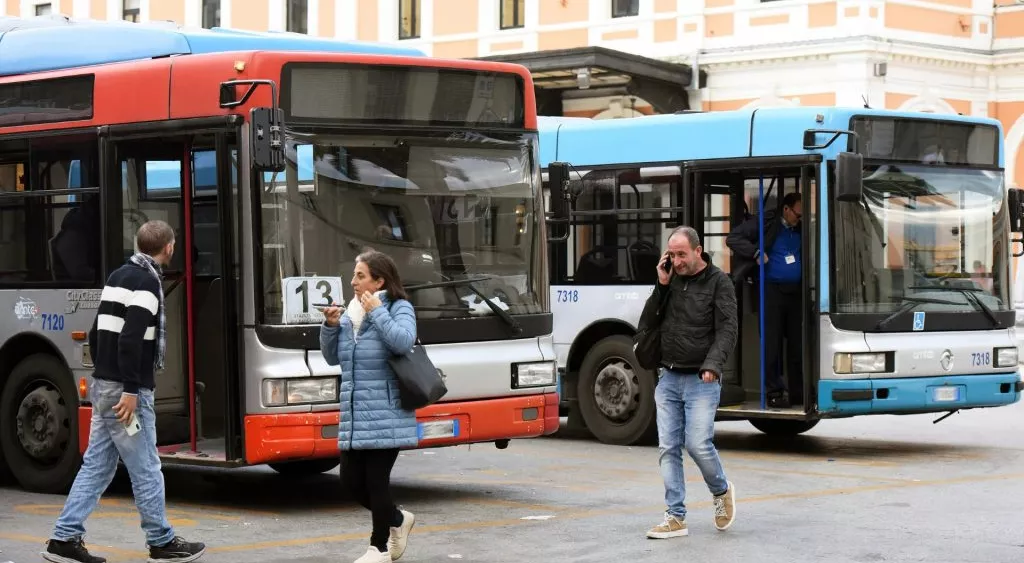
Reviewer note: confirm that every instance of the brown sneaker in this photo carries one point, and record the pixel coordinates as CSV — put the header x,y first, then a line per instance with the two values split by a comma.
x,y
672,527
725,508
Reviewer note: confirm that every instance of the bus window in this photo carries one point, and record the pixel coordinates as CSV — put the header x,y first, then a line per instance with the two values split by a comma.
x,y
619,226
50,238
150,190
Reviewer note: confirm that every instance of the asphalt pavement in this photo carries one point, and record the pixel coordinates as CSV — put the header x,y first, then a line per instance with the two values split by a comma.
x,y
860,490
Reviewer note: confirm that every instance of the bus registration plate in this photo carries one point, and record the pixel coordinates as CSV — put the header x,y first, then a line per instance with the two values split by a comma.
x,y
438,429
946,394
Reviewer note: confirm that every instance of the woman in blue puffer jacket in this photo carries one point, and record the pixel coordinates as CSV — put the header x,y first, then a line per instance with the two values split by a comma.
x,y
378,322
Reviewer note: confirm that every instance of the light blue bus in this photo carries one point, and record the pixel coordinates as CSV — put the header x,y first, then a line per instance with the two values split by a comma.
x,y
906,258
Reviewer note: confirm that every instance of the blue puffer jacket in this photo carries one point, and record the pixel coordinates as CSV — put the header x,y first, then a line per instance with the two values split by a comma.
x,y
371,415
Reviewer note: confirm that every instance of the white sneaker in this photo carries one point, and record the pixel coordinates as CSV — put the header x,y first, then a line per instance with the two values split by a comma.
x,y
374,556
400,535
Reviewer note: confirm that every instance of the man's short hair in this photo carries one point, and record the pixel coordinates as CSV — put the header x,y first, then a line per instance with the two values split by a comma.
x,y
153,236
791,199
689,233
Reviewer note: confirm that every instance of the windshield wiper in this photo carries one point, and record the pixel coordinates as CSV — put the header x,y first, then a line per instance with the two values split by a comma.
x,y
468,282
910,303
971,295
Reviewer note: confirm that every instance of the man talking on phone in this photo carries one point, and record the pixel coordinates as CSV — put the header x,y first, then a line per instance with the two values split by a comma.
x,y
698,333
127,344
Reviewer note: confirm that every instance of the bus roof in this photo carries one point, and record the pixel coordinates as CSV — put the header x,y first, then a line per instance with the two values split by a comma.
x,y
771,131
44,43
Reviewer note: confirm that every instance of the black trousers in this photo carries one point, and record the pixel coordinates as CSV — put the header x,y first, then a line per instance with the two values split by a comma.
x,y
366,475
783,311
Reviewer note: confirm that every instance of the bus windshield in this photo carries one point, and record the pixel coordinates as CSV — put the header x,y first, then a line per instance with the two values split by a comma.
x,y
458,214
934,236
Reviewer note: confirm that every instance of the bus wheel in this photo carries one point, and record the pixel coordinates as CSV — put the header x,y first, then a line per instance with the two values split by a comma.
x,y
616,395
305,467
39,425
776,427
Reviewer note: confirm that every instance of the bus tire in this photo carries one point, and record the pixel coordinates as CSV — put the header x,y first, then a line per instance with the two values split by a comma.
x,y
39,425
305,467
777,427
615,395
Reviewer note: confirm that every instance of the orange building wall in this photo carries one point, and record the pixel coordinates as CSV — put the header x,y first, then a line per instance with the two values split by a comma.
x,y
552,12
367,14
255,15
163,10
325,27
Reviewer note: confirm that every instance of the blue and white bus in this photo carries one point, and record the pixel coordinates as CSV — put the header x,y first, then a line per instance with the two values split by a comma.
x,y
906,252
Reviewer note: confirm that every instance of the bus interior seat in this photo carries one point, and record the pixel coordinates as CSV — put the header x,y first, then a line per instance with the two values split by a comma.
x,y
597,266
643,261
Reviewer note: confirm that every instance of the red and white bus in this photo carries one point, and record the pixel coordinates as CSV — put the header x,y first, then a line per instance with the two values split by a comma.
x,y
277,158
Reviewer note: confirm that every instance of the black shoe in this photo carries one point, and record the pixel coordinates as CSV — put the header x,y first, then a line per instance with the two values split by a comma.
x,y
778,401
176,551
72,551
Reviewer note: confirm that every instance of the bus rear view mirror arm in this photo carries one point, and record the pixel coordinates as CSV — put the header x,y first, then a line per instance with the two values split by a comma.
x,y
266,124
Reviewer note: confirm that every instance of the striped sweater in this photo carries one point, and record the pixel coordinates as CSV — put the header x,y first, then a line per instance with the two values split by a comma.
x,y
123,336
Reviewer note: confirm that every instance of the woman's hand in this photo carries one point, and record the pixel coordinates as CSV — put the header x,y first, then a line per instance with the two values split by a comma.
x,y
369,301
332,315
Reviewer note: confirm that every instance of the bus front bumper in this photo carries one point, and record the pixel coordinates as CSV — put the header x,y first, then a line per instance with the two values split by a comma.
x,y
917,394
286,437
272,438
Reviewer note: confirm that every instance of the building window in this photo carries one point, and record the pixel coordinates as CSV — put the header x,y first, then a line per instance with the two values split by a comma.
x,y
44,9
625,8
513,14
130,10
211,13
297,16
408,19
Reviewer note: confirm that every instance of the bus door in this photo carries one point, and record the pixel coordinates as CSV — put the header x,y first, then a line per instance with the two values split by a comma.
x,y
188,182
727,194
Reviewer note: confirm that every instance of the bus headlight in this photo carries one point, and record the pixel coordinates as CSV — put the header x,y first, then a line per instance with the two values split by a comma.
x,y
533,374
303,391
861,362
1006,357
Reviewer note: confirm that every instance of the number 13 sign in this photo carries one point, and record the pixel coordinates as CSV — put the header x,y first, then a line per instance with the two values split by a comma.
x,y
300,295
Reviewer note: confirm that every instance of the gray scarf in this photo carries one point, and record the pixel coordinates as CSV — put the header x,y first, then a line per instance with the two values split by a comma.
x,y
147,262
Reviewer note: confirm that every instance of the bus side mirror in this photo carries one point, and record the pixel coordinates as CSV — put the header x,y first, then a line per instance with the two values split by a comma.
x,y
849,177
558,179
266,143
1015,206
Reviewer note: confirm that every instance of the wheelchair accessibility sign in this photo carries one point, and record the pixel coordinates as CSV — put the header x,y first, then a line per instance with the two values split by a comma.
x,y
918,320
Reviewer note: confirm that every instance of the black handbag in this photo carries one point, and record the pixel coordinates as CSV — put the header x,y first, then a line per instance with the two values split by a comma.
x,y
419,381
647,340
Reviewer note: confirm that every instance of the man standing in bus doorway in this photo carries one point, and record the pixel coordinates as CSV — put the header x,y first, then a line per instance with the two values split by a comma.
x,y
782,293
698,333
127,342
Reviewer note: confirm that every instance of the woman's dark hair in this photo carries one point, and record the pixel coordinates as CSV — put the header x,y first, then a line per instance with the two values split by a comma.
x,y
382,267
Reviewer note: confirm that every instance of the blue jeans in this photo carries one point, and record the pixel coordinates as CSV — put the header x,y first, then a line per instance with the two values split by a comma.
x,y
108,440
686,419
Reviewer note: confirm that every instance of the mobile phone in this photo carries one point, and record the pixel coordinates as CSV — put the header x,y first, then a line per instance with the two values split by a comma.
x,y
667,266
133,426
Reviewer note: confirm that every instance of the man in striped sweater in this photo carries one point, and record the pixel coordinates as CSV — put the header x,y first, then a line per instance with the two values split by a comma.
x,y
127,343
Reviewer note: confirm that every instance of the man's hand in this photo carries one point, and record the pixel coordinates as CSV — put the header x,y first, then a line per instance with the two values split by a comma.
x,y
708,376
762,258
663,276
125,407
